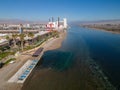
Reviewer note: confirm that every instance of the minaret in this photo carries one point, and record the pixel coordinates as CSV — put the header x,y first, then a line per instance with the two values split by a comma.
x,y
21,29
58,22
52,19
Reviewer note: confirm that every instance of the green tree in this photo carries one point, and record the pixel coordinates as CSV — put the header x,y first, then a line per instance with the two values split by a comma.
x,y
14,36
7,37
22,40
31,35
39,38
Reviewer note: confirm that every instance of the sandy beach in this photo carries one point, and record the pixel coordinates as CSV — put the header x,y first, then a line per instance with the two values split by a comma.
x,y
9,70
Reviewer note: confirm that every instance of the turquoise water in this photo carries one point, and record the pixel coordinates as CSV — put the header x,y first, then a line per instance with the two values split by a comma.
x,y
62,63
65,68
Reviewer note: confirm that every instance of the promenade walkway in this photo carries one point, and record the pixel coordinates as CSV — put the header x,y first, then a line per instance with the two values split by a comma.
x,y
21,75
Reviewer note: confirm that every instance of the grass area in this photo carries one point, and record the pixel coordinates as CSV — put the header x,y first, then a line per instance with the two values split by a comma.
x,y
33,46
39,43
12,59
54,34
3,48
5,54
28,48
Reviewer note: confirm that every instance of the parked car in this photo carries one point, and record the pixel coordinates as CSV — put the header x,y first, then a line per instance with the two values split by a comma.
x,y
12,62
1,64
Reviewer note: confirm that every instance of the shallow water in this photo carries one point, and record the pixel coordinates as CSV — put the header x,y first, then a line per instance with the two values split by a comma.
x,y
64,69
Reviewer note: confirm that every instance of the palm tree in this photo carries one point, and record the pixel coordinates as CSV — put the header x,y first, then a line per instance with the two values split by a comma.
x,y
14,36
39,38
31,35
22,35
8,38
22,40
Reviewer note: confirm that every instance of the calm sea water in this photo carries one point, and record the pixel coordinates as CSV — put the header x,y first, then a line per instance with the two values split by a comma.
x,y
62,69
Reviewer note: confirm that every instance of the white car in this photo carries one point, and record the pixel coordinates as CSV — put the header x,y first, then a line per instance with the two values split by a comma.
x,y
12,62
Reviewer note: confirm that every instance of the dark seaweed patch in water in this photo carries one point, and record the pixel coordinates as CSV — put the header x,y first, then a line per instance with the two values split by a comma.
x,y
56,60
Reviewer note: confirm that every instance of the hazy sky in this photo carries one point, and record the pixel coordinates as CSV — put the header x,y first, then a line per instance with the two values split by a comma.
x,y
71,9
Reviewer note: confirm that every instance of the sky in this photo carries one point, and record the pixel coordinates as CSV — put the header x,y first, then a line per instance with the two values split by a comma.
x,y
73,10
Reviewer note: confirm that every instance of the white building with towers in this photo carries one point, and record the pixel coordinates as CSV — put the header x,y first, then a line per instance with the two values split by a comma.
x,y
65,22
57,24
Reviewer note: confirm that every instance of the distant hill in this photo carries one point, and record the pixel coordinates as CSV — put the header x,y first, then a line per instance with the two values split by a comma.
x,y
18,21
115,21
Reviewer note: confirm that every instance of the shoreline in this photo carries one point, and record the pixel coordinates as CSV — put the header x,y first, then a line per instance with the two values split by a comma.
x,y
93,68
50,44
113,32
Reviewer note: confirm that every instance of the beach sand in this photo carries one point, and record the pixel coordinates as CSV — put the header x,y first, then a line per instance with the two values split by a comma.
x,y
8,71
